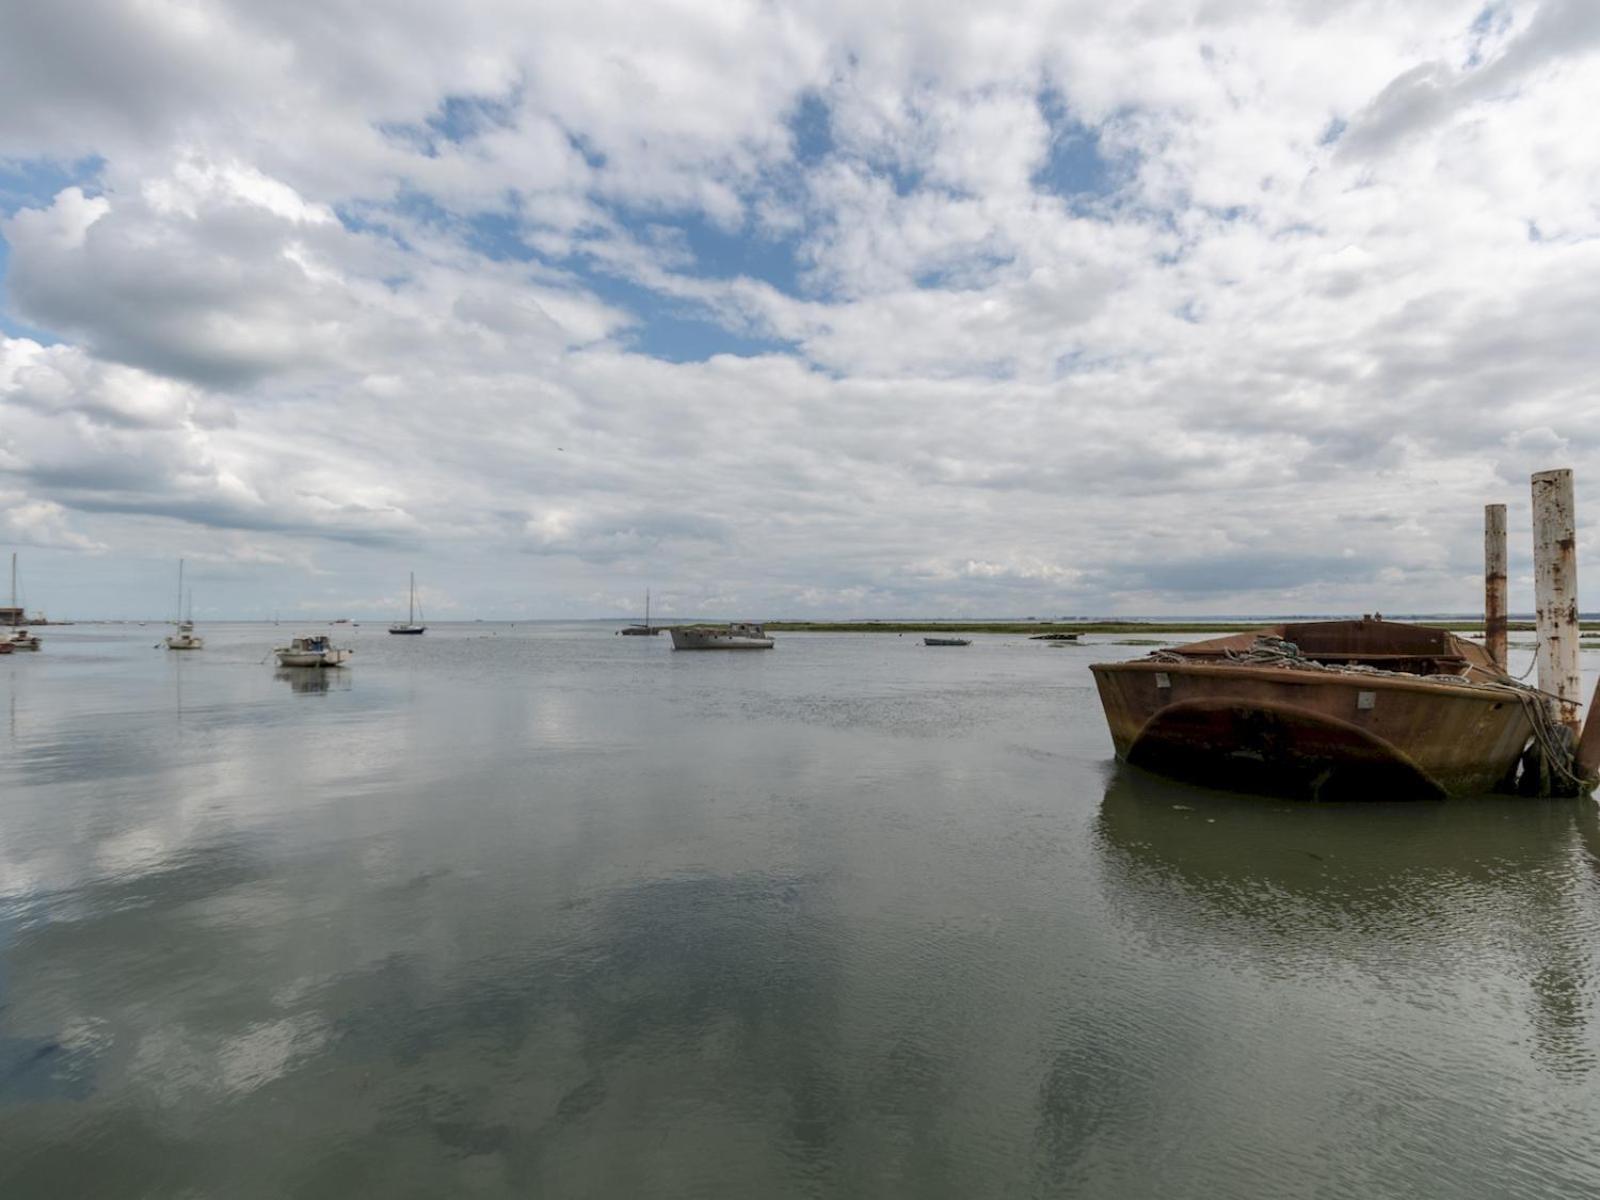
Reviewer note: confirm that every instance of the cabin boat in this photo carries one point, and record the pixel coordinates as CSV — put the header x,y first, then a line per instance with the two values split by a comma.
x,y
410,627
21,639
1328,709
311,650
736,635
938,641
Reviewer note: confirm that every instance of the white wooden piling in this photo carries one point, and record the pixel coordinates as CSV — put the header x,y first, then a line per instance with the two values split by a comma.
x,y
1555,590
1494,582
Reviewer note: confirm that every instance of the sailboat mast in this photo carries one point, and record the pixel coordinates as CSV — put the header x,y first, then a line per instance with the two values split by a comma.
x,y
180,591
647,608
411,609
15,615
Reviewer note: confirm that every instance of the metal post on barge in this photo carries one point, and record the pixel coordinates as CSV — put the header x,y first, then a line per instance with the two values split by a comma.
x,y
1494,582
1555,591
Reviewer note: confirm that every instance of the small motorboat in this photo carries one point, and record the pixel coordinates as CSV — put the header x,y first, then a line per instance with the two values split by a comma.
x,y
933,641
21,639
311,650
736,635
5,647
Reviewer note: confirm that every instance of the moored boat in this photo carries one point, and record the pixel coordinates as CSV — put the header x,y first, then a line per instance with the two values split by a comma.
x,y
184,638
1368,709
311,650
938,641
18,638
410,627
21,639
645,630
736,635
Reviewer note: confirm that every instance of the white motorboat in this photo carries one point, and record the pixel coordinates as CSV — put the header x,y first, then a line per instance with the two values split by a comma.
x,y
410,625
736,635
311,650
21,639
185,638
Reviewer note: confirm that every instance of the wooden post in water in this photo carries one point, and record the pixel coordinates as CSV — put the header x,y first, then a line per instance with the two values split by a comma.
x,y
1494,582
1555,590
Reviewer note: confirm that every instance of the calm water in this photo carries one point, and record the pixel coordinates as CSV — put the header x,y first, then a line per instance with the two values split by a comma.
x,y
546,911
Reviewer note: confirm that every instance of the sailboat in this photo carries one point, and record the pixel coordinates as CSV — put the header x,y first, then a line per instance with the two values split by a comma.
x,y
185,638
647,629
18,638
411,625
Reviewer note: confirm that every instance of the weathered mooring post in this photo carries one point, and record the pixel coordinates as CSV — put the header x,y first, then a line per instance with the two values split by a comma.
x,y
1555,591
1494,582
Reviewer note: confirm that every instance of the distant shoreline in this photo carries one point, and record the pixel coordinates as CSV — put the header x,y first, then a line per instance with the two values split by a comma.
x,y
1043,627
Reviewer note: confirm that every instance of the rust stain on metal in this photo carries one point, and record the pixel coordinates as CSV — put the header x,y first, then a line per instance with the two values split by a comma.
x,y
1292,726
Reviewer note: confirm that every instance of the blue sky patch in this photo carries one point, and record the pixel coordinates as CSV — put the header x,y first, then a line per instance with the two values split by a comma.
x,y
1076,166
34,182
811,128
457,120
677,330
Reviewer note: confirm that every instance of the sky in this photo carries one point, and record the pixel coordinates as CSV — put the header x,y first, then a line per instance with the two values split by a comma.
x,y
826,309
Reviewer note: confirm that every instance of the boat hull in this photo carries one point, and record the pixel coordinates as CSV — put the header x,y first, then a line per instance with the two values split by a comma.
x,y
700,639
330,658
194,643
640,631
408,630
1315,733
933,641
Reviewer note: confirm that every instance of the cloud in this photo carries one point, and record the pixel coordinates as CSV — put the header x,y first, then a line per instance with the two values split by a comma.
x,y
963,309
40,523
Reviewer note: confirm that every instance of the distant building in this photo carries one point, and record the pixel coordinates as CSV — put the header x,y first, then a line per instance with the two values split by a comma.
x,y
11,616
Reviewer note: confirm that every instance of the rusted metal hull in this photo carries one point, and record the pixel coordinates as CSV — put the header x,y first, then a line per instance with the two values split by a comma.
x,y
1310,732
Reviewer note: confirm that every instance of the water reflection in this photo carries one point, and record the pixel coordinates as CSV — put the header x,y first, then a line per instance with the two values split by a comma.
x,y
313,680
1407,893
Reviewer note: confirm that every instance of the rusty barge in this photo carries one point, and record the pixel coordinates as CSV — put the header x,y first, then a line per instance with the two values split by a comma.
x,y
1378,709
1325,709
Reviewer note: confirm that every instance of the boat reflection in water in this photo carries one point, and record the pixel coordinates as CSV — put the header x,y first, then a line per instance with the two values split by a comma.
x,y
1414,896
313,680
